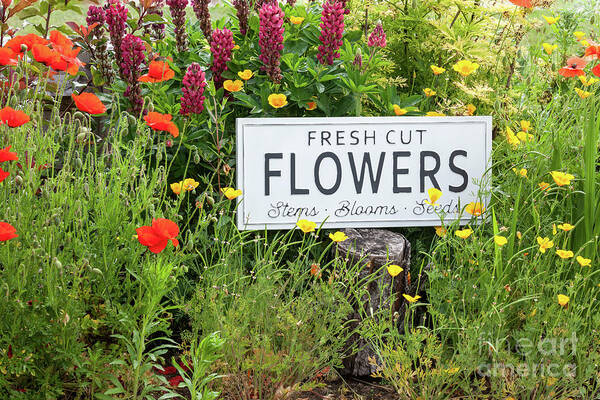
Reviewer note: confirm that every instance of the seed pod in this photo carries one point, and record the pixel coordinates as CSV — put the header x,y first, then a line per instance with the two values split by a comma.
x,y
57,263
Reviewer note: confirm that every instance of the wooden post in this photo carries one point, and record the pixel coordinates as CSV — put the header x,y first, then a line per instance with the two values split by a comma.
x,y
375,248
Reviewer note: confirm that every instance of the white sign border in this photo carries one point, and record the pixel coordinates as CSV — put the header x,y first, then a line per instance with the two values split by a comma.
x,y
242,122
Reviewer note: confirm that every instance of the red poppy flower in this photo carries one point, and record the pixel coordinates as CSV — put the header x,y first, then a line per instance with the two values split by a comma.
x,y
29,40
3,174
44,54
522,3
593,50
575,66
7,232
158,71
161,122
89,103
7,155
7,56
12,117
60,40
157,236
175,381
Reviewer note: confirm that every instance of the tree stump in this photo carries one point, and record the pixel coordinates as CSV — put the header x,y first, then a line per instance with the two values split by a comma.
x,y
375,248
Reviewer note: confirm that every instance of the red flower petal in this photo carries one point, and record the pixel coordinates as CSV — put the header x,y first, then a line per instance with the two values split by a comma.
x,y
7,155
89,102
7,232
522,3
3,175
165,227
12,117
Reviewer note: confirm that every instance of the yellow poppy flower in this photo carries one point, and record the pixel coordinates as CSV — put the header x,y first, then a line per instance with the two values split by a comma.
x,y
437,70
245,74
565,227
189,184
561,178
440,231
471,109
585,43
296,20
411,299
549,48
500,240
511,138
338,236
564,253
435,114
394,270
434,195
551,20
588,81
233,86
584,262
545,186
544,244
306,226
465,67
231,193
464,233
582,93
475,209
524,136
563,300
579,35
525,125
399,111
522,172
277,100
429,92
176,187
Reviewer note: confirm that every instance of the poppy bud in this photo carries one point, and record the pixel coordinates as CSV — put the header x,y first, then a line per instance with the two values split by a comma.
x,y
131,120
78,162
210,200
57,263
214,219
196,158
81,137
97,271
18,180
86,189
159,155
150,106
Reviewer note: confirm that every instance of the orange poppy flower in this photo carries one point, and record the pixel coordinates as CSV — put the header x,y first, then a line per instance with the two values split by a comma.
x,y
161,122
158,71
68,60
7,232
7,56
7,155
593,51
522,3
44,54
575,66
29,40
596,70
157,236
12,117
89,103
59,40
3,174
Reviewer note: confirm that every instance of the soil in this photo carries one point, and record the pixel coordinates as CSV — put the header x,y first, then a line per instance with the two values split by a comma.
x,y
349,389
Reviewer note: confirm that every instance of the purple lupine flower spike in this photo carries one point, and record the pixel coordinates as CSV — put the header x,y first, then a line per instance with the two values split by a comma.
x,y
177,8
116,18
156,30
221,45
132,50
193,83
377,38
270,40
243,11
97,15
203,15
332,30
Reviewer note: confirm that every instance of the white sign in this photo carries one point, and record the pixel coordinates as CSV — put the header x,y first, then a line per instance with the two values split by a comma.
x,y
360,172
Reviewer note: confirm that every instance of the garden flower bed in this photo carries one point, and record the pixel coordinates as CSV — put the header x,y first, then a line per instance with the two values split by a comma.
x,y
124,275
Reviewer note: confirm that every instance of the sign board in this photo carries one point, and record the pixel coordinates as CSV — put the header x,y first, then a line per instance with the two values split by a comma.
x,y
360,172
